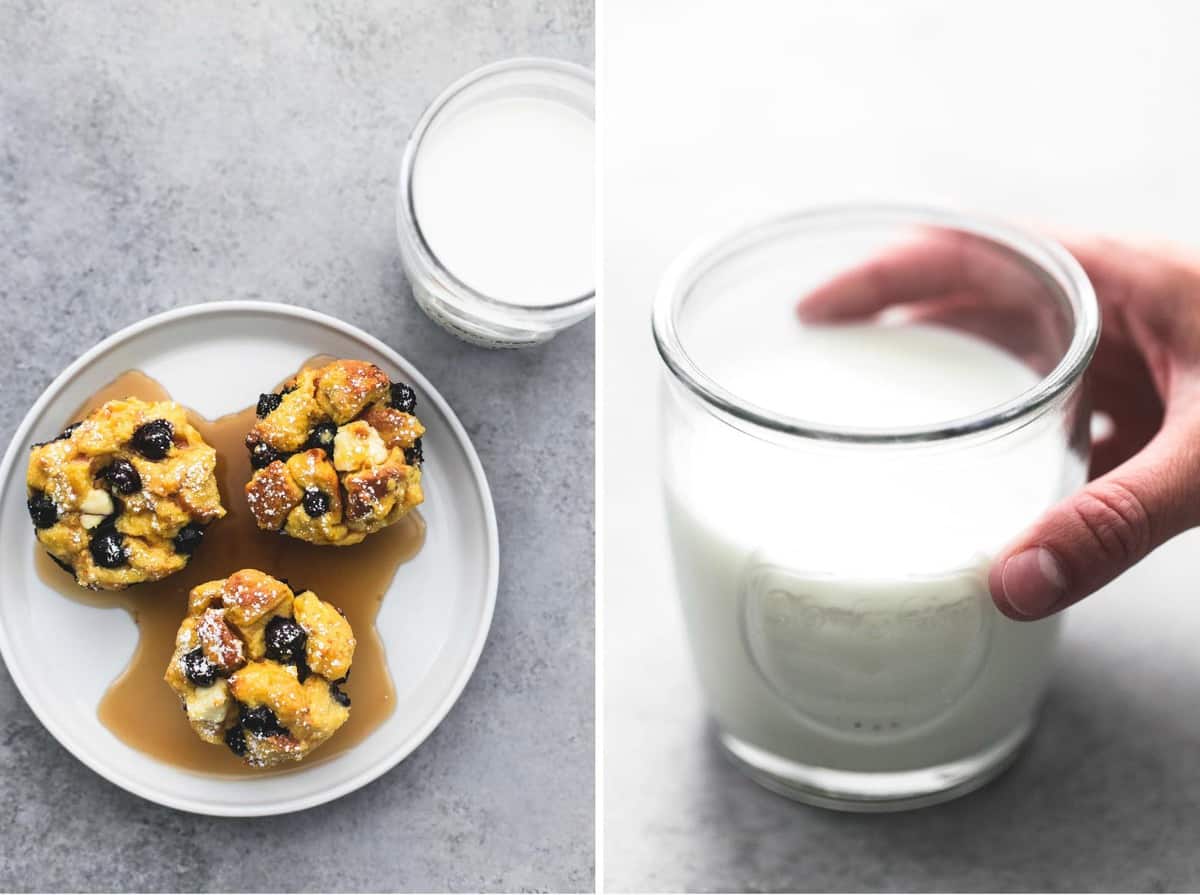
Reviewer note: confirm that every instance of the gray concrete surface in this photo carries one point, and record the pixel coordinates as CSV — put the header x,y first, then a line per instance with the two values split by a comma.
x,y
164,153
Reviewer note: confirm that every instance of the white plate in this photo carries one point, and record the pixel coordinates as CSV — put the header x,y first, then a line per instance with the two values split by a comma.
x,y
63,655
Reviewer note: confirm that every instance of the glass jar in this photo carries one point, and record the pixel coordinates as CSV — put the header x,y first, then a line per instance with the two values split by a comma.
x,y
835,491
512,317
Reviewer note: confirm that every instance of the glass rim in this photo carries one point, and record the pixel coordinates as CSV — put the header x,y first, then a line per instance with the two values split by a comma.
x,y
1046,255
412,149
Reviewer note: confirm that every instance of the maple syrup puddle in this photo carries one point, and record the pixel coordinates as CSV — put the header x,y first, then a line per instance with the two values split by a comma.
x,y
139,707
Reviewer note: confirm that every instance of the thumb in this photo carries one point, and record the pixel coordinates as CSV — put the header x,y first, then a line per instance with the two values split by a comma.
x,y
1096,534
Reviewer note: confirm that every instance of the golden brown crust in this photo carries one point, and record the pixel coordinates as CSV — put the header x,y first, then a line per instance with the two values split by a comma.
x,y
251,599
364,476
377,493
275,708
331,643
219,643
270,684
70,486
271,494
204,595
345,388
397,429
250,596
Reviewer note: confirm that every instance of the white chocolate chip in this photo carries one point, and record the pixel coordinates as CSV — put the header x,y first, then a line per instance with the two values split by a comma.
x,y
97,503
209,703
357,445
90,520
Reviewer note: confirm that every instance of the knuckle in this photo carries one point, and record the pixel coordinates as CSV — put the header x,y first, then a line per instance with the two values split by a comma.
x,y
1116,519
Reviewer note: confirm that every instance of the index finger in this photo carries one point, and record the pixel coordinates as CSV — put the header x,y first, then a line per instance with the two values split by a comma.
x,y
943,262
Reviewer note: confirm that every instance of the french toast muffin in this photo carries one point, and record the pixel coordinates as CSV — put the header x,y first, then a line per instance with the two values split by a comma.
x,y
336,454
259,668
123,496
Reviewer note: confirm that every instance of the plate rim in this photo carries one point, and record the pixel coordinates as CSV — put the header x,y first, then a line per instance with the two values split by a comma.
x,y
405,748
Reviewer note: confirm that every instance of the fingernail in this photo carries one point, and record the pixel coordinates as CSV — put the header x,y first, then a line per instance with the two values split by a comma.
x,y
1033,582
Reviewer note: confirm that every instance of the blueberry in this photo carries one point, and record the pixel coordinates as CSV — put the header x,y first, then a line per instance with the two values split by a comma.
x,y
316,502
338,696
285,639
189,538
302,670
414,456
153,440
267,403
322,437
262,454
42,510
122,475
108,548
403,397
261,721
198,669
235,739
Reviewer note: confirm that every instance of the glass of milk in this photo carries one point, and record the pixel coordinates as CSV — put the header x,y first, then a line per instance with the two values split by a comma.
x,y
496,205
836,491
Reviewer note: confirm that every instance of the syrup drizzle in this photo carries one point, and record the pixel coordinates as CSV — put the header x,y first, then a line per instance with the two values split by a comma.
x,y
138,707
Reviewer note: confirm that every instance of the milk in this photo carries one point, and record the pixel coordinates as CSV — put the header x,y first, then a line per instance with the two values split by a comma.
x,y
836,595
503,192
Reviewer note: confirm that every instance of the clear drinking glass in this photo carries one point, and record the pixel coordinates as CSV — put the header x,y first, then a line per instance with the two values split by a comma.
x,y
492,321
833,574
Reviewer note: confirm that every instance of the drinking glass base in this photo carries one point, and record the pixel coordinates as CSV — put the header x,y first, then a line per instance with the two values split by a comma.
x,y
873,791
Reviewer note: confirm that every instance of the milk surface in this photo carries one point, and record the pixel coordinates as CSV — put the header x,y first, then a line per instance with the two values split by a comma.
x,y
503,191
835,595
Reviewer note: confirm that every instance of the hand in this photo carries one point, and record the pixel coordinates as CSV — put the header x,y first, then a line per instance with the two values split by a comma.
x,y
1145,377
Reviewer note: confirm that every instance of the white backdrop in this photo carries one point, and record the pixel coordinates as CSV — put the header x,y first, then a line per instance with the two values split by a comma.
x,y
1069,115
